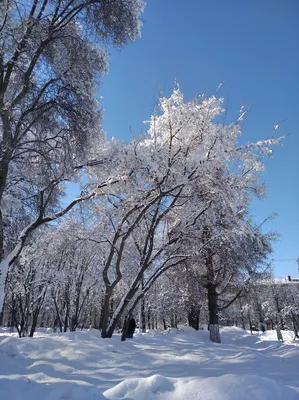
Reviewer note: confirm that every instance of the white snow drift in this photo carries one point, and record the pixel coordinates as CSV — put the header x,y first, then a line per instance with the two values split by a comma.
x,y
179,365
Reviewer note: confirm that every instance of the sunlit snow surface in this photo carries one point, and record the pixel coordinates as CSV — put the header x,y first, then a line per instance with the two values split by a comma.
x,y
179,365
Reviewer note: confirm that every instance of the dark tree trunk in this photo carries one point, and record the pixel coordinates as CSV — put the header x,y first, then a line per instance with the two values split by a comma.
x,y
196,326
149,318
212,295
34,323
58,319
143,316
105,313
66,319
101,315
172,320
243,322
164,324
250,324
125,329
6,150
193,318
111,311
272,324
42,321
2,311
142,310
213,313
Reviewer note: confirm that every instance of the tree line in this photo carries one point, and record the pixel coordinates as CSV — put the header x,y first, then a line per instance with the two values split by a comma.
x,y
175,200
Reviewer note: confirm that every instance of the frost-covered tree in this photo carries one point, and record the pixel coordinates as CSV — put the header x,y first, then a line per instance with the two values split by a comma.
x,y
178,203
197,183
51,58
27,284
54,277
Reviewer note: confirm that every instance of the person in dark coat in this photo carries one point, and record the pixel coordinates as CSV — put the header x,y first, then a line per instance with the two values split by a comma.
x,y
131,328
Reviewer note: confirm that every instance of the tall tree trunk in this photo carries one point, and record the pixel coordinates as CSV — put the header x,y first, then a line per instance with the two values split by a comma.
x,y
193,317
149,318
57,315
250,324
172,320
34,322
212,297
164,324
105,311
143,316
175,319
35,314
1,236
243,321
2,310
213,313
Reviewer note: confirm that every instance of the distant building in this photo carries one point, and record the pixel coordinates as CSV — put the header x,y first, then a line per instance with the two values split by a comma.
x,y
278,281
291,279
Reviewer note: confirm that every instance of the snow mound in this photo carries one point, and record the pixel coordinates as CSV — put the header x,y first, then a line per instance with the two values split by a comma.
x,y
24,388
8,346
74,392
154,387
111,348
232,329
225,387
246,387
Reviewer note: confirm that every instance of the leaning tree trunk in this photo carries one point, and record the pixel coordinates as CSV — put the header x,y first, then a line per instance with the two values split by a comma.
x,y
120,309
125,328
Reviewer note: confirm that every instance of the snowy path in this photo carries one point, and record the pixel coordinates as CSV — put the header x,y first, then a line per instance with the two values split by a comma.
x,y
181,365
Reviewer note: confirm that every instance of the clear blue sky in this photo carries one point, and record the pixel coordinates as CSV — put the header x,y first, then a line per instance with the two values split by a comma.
x,y
251,45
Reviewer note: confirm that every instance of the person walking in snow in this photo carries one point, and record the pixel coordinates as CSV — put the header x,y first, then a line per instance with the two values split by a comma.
x,y
131,328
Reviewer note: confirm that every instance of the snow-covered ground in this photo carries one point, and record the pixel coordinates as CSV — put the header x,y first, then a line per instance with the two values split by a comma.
x,y
179,365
